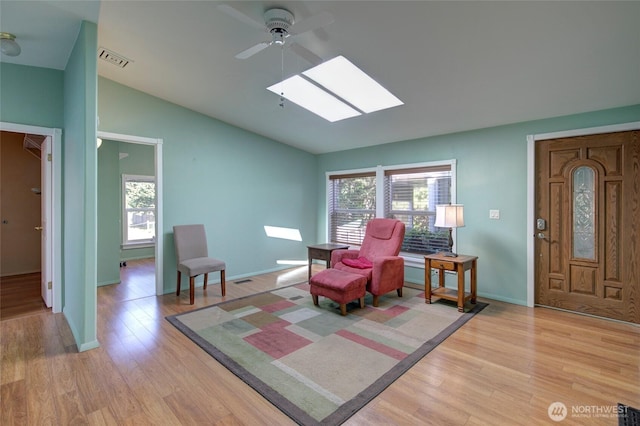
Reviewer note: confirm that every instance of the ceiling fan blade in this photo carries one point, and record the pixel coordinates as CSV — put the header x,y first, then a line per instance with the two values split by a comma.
x,y
253,50
306,54
313,23
240,16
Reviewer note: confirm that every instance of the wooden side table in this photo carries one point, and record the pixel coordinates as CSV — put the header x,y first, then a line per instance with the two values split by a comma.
x,y
323,252
459,265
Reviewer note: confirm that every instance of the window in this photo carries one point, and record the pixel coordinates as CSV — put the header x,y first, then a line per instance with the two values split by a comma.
x,y
411,195
139,209
408,193
352,203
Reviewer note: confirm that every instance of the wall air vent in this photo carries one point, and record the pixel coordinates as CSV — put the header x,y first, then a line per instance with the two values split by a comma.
x,y
113,57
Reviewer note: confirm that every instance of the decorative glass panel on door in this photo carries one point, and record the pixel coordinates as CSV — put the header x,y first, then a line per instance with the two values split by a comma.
x,y
584,207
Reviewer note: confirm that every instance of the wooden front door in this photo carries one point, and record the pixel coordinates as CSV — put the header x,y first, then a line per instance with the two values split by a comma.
x,y
588,224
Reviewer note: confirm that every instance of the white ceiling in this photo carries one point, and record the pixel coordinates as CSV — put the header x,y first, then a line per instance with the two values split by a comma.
x,y
456,65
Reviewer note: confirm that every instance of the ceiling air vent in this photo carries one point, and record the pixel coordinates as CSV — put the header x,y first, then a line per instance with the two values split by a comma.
x,y
113,57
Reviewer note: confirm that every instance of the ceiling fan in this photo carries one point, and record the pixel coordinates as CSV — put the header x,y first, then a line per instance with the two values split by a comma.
x,y
281,24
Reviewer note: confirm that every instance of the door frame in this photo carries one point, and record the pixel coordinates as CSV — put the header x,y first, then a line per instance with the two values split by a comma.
x,y
53,207
531,144
157,144
45,218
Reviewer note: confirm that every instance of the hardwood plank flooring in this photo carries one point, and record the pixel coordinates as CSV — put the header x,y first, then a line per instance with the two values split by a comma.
x,y
137,280
505,366
20,296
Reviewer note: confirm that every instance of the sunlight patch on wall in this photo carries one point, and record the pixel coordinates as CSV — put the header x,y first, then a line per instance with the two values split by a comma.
x,y
284,233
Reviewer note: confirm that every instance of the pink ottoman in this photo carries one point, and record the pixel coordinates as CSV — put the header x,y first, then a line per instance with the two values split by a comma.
x,y
340,286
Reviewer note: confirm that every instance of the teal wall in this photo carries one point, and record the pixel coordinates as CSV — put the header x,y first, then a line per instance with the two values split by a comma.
x,y
231,180
109,233
139,161
79,186
31,95
491,174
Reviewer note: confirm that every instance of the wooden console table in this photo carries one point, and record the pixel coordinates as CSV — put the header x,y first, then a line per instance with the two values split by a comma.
x,y
323,252
459,265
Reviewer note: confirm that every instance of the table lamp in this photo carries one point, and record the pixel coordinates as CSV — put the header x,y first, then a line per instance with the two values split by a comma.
x,y
449,216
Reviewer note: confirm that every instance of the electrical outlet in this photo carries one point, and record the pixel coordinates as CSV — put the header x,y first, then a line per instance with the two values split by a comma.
x,y
494,214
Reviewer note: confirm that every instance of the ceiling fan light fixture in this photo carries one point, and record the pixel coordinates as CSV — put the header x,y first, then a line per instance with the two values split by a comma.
x,y
277,18
282,25
278,36
8,44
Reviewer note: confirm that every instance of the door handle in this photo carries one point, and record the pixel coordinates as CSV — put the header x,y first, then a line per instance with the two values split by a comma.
x,y
38,228
541,236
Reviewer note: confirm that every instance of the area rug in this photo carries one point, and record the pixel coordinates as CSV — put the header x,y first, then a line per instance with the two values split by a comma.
x,y
317,366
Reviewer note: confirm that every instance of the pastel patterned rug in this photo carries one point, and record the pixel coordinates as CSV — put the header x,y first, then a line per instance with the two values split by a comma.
x,y
315,365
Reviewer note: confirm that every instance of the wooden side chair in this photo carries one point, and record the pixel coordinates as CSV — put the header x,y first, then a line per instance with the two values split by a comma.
x,y
193,257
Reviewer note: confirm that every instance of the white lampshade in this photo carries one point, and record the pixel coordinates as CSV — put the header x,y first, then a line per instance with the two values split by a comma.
x,y
8,44
449,215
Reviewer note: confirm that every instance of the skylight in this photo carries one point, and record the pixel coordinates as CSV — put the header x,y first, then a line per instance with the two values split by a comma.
x,y
309,96
335,90
349,82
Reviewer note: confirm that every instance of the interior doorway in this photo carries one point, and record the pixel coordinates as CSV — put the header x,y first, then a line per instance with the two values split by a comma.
x,y
21,243
46,186
126,234
157,160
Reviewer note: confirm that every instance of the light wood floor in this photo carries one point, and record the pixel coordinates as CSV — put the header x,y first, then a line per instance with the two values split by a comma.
x,y
137,280
505,366
20,295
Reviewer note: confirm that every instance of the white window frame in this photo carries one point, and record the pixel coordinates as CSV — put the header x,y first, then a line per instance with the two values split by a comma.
x,y
413,260
126,244
371,170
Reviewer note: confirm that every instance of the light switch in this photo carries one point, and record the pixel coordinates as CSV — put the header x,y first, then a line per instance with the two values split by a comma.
x,y
494,214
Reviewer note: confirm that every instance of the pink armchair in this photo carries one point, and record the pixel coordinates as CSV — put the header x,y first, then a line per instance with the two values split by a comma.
x,y
377,258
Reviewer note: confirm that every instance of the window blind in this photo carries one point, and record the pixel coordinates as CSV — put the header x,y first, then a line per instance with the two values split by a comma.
x,y
352,203
411,195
